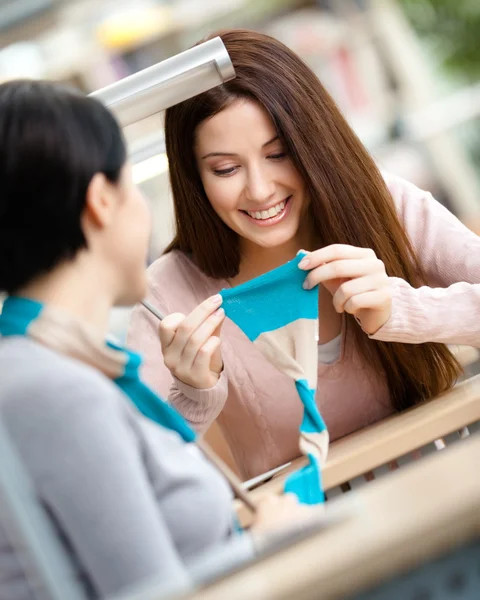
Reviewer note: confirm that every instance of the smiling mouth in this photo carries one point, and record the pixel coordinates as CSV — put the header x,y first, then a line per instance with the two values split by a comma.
x,y
271,216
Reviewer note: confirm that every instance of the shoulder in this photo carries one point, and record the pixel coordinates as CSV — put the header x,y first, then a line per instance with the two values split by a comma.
x,y
170,266
44,385
402,190
415,207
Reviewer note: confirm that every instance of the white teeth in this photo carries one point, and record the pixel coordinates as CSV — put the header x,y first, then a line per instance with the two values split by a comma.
x,y
268,214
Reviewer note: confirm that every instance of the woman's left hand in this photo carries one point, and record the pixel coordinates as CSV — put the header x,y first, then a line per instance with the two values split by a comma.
x,y
357,280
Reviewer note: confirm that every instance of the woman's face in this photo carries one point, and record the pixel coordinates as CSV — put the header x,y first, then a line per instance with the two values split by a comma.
x,y
249,178
129,240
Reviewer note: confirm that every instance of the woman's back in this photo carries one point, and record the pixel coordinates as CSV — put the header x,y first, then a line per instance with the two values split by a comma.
x,y
129,500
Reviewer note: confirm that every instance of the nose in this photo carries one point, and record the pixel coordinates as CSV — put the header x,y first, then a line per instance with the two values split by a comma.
x,y
260,185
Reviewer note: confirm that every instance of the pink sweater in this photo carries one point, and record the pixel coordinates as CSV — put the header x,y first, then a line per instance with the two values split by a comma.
x,y
256,407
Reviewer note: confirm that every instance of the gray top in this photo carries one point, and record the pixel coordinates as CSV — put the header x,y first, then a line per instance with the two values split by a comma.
x,y
129,499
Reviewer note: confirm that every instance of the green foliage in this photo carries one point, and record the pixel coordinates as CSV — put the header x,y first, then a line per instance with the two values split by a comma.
x,y
452,29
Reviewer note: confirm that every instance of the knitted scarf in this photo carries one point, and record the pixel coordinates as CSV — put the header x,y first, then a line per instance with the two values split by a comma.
x,y
63,334
281,319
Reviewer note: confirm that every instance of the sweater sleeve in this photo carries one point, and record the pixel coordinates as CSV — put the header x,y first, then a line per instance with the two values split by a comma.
x,y
200,407
447,310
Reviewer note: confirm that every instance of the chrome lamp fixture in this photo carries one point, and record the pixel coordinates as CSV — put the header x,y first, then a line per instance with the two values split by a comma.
x,y
169,82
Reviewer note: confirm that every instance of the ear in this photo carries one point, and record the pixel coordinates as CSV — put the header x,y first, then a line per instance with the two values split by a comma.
x,y
100,202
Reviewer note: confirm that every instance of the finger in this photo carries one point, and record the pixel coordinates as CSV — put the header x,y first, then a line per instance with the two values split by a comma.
x,y
204,355
271,500
290,499
216,363
168,328
219,328
332,253
192,321
373,300
201,335
342,269
353,287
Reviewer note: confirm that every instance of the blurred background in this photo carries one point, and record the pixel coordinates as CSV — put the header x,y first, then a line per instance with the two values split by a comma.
x,y
405,73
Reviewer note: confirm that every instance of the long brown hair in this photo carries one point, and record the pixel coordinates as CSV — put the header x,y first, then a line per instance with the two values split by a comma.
x,y
350,202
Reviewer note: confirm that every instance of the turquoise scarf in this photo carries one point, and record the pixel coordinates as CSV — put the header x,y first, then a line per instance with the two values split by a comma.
x,y
281,319
24,317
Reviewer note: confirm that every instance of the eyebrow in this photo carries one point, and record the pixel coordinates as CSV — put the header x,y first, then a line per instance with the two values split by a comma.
x,y
210,154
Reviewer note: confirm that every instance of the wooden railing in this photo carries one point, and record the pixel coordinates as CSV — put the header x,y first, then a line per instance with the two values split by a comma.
x,y
403,521
385,446
400,523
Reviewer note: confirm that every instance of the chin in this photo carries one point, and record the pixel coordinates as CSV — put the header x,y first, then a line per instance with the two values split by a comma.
x,y
274,241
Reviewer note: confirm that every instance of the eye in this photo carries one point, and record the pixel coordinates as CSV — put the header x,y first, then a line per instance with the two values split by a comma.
x,y
278,156
224,172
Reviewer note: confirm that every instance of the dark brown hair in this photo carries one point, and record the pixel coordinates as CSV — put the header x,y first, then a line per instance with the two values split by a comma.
x,y
350,202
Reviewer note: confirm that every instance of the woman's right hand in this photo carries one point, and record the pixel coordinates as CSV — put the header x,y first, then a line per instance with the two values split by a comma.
x,y
276,512
191,344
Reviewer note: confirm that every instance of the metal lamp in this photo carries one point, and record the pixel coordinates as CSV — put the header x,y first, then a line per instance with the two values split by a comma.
x,y
169,82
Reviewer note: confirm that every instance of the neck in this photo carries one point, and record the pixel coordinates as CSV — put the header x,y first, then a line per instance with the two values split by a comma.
x,y
257,260
76,288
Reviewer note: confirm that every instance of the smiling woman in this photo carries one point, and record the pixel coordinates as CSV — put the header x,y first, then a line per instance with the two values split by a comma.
x,y
261,167
250,181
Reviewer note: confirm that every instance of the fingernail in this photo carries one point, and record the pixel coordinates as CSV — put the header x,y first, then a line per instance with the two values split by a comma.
x,y
216,300
220,312
306,285
303,263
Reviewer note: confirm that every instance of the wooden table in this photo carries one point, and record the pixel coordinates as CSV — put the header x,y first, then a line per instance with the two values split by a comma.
x,y
390,439
415,515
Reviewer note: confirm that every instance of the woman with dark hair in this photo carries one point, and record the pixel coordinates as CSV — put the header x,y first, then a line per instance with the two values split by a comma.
x,y
261,167
131,498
